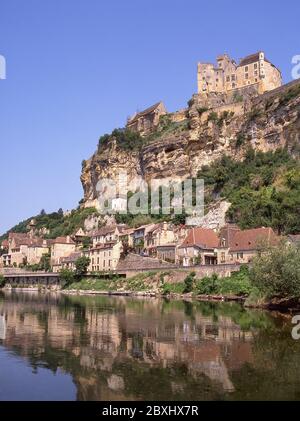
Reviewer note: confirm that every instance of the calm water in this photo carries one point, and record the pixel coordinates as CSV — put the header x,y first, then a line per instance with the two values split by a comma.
x,y
114,348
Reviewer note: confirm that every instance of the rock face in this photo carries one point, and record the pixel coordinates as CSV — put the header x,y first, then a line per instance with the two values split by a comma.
x,y
210,130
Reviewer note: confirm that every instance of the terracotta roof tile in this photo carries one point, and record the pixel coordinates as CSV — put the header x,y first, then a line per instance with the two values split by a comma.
x,y
201,237
250,239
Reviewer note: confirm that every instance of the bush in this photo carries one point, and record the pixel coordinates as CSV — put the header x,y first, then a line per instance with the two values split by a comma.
x,y
208,285
277,272
66,277
81,264
189,283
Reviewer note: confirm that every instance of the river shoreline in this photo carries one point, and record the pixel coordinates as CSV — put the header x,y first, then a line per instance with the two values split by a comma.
x,y
283,305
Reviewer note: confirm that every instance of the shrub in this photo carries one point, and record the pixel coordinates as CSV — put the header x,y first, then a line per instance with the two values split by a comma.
x,y
66,277
208,285
213,116
277,272
189,283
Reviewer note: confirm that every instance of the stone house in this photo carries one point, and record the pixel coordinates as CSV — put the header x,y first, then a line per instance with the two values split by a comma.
x,y
24,248
139,237
159,235
36,249
105,256
68,262
126,237
107,234
145,121
167,252
253,70
246,244
61,247
199,247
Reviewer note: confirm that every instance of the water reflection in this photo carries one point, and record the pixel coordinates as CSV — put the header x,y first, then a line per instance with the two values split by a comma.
x,y
117,348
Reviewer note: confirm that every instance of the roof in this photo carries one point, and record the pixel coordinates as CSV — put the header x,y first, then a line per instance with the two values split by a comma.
x,y
104,230
227,233
251,239
23,239
108,245
63,240
201,237
71,258
252,58
145,112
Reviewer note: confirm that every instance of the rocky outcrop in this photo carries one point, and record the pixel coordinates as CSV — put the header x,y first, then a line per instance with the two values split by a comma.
x,y
182,148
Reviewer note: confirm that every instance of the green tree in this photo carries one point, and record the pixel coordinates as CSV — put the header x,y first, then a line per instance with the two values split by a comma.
x,y
81,265
66,277
189,283
276,272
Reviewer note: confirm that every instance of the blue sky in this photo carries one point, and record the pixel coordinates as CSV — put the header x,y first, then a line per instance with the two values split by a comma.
x,y
77,69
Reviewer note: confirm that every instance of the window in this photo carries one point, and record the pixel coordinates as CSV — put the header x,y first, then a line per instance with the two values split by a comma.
x,y
255,73
246,69
240,255
223,257
246,75
232,77
255,65
228,79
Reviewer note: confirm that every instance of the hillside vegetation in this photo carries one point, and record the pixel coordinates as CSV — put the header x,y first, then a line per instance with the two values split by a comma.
x,y
55,222
264,189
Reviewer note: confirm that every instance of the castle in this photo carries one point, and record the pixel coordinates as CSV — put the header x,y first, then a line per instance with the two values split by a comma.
x,y
255,70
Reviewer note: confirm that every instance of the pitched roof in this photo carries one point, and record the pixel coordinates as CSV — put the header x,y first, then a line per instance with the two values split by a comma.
x,y
252,58
63,240
71,258
250,239
144,113
201,237
227,233
104,230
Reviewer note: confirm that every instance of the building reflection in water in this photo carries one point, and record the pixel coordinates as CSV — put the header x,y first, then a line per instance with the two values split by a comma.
x,y
117,348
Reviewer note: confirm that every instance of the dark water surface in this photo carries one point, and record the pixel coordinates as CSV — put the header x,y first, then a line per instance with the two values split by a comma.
x,y
115,348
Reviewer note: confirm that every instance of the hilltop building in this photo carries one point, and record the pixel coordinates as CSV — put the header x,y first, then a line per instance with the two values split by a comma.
x,y
227,76
145,121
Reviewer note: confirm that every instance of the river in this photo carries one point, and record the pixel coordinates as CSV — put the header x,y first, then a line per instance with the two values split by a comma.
x,y
56,347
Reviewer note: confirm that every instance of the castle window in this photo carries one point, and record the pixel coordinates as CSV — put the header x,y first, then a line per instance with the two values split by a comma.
x,y
255,65
256,79
228,79
246,68
255,73
232,77
246,75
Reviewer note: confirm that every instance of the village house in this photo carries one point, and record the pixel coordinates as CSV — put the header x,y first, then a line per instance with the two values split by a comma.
x,y
126,237
145,121
69,262
139,237
227,76
105,256
23,249
79,237
36,249
61,247
107,234
246,244
167,252
199,247
158,235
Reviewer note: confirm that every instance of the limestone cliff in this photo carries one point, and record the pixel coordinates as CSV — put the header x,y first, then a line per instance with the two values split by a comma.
x,y
216,126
